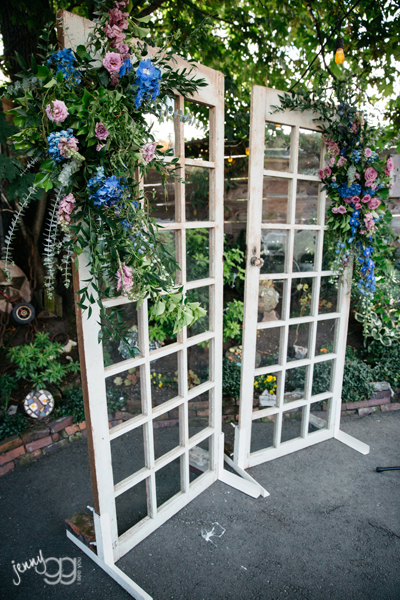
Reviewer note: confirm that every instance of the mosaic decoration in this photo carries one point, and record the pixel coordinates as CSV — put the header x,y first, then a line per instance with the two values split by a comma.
x,y
38,404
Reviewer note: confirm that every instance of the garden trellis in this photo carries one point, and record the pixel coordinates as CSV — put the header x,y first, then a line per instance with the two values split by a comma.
x,y
111,542
285,265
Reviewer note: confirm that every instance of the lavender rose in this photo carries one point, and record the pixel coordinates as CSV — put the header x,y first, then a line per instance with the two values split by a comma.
x,y
112,62
57,111
101,131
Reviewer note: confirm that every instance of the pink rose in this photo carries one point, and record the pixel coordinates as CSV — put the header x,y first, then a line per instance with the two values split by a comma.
x,y
328,172
57,111
321,174
124,279
362,231
148,152
347,200
370,174
366,198
355,199
334,178
339,209
331,162
101,131
354,127
357,206
373,203
341,161
99,147
123,49
367,152
389,164
112,62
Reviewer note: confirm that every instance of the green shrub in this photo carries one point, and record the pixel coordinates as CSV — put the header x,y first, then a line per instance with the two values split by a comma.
x,y
71,404
387,365
39,363
233,321
7,386
12,424
230,379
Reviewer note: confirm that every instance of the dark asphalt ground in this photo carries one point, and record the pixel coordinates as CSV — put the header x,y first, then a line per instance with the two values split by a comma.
x,y
329,530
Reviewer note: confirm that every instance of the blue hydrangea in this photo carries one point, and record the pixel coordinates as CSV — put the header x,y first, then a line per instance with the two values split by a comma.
x,y
125,68
355,155
334,185
106,191
53,141
347,191
65,61
148,79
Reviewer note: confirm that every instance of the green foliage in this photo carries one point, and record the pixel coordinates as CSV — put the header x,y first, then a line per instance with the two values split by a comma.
x,y
12,424
39,362
233,321
385,362
7,386
230,379
71,404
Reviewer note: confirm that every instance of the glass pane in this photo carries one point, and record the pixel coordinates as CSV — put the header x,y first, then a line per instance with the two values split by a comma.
x,y
277,147
325,336
199,413
266,389
127,454
199,459
131,507
197,193
161,330
295,381
196,130
309,152
273,250
163,129
262,433
168,239
160,194
306,202
164,379
328,250
267,348
115,351
304,250
198,364
291,425
197,254
327,296
276,192
168,481
322,377
166,433
123,394
318,417
201,295
270,296
301,297
298,341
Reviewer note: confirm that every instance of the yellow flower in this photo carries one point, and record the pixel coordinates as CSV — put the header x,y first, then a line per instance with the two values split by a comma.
x,y
160,384
269,378
255,383
159,375
271,392
324,350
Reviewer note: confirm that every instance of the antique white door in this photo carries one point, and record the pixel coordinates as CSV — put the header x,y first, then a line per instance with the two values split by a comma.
x,y
295,318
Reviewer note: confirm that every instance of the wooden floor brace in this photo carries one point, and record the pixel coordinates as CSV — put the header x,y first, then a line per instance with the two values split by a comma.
x,y
351,441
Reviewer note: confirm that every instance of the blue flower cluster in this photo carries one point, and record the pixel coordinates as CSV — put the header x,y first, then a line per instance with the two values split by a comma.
x,y
148,79
125,68
342,258
355,156
106,191
65,61
54,139
347,191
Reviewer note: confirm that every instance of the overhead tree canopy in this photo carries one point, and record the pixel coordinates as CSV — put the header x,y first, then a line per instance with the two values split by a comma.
x,y
265,42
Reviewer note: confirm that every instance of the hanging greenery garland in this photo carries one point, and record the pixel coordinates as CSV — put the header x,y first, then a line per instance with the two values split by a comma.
x,y
357,183
84,115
